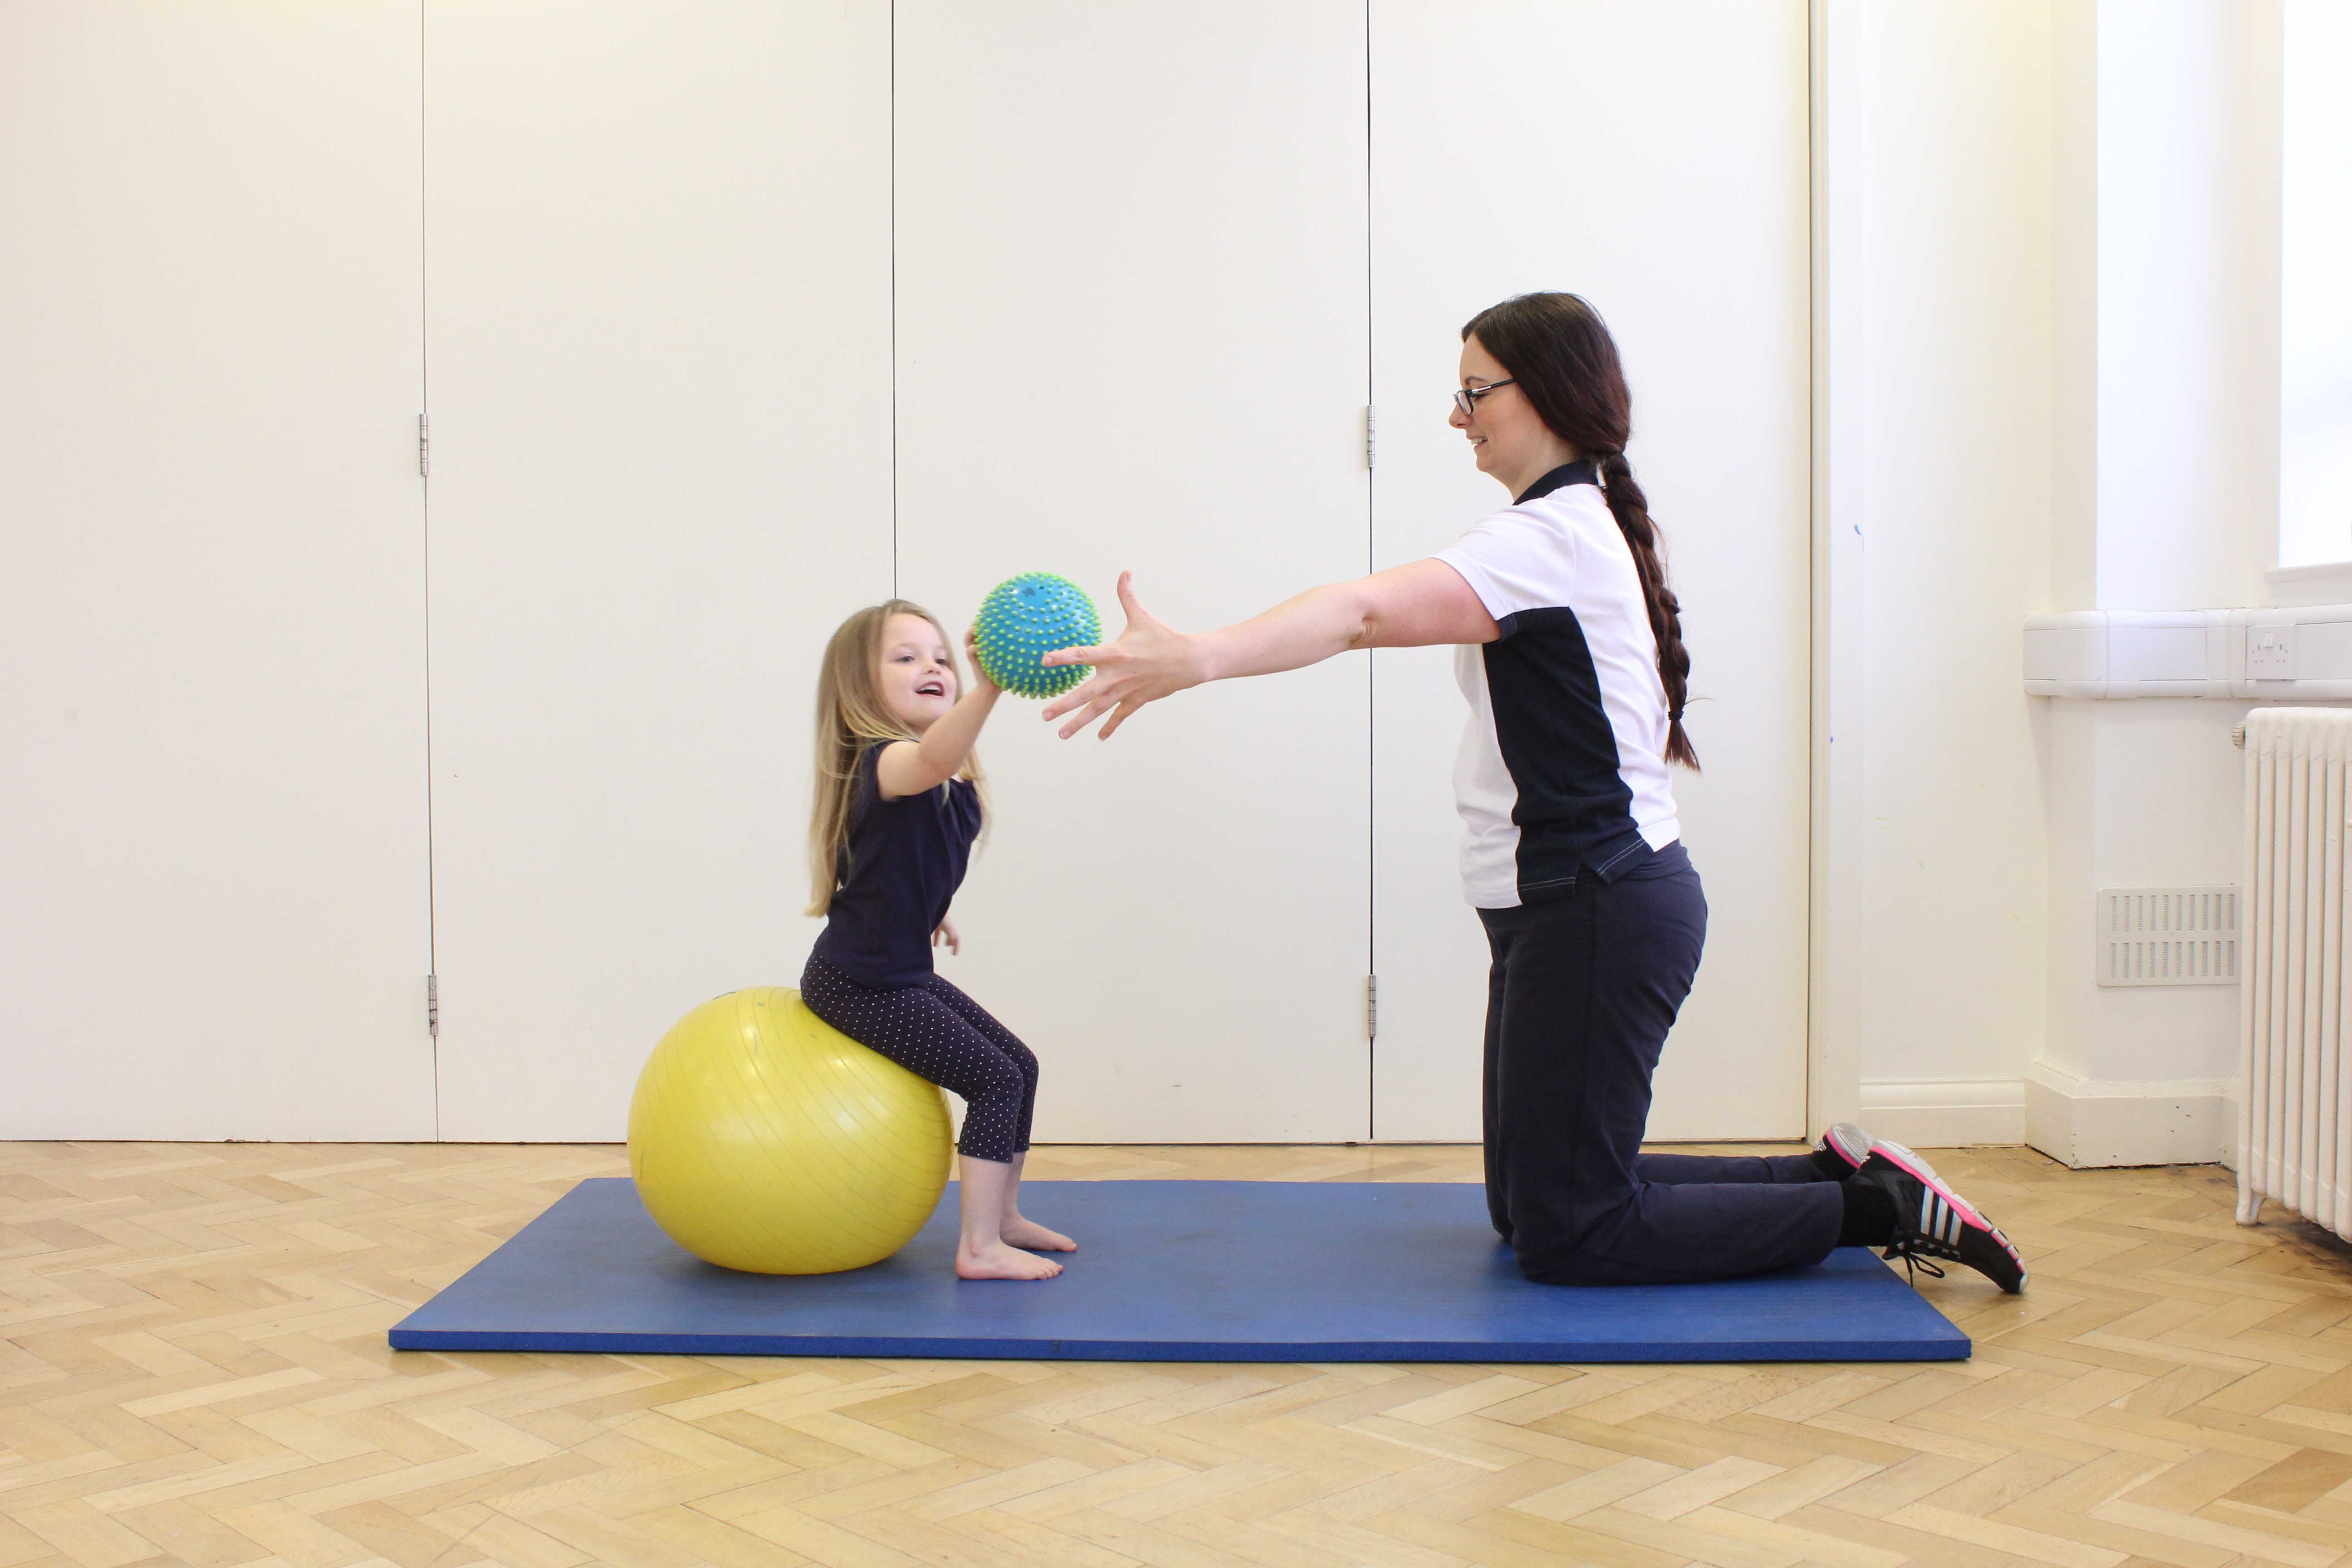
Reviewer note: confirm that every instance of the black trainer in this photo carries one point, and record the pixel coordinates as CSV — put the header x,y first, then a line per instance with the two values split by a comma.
x,y
1933,1222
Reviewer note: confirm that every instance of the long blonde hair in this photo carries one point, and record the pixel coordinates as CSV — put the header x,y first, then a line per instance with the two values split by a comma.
x,y
850,717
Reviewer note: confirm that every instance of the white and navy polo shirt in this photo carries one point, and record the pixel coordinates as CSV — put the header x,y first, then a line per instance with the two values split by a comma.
x,y
1563,765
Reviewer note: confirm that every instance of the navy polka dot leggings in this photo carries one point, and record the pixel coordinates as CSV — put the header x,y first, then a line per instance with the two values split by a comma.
x,y
937,1032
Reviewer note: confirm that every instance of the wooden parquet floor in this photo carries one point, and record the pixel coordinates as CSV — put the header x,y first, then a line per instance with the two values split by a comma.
x,y
193,1370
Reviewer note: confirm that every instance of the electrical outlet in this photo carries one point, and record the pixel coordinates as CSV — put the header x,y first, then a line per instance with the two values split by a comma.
x,y
2270,653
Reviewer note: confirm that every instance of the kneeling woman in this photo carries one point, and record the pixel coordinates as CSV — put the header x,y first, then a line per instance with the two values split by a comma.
x,y
1571,655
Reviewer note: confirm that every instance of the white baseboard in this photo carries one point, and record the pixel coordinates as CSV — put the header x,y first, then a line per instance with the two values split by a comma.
x,y
1945,1113
2084,1124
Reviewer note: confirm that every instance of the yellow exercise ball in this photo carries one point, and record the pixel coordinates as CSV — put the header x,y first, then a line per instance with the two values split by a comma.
x,y
765,1140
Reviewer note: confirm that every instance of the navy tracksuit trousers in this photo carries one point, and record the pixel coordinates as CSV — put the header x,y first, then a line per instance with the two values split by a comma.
x,y
1582,992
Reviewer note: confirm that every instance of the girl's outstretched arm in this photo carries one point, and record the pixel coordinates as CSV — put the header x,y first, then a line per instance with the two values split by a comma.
x,y
1415,605
911,767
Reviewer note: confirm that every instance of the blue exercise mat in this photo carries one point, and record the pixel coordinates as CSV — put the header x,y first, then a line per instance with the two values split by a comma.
x,y
1221,1271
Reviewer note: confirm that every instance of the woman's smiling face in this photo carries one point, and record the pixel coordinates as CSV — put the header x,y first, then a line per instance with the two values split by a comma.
x,y
1505,434
917,678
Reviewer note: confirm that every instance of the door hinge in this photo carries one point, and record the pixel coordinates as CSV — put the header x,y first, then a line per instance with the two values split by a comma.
x,y
1371,1006
1372,436
433,1006
424,446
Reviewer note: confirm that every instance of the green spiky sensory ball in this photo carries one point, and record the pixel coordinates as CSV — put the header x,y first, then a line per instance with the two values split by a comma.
x,y
1025,617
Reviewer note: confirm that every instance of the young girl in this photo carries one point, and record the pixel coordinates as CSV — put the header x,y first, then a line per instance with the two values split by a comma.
x,y
898,803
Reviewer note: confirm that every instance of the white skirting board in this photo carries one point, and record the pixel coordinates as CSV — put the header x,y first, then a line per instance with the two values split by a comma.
x,y
2085,1124
2081,1124
1945,1113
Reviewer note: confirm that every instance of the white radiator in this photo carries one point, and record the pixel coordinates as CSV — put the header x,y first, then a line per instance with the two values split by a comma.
x,y
2294,1119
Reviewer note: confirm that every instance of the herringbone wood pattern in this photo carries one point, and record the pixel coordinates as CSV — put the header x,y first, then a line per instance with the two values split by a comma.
x,y
192,1369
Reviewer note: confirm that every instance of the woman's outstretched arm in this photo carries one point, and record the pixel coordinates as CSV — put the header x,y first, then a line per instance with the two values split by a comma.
x,y
1415,605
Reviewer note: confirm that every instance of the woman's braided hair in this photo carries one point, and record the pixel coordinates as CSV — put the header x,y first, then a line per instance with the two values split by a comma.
x,y
1559,350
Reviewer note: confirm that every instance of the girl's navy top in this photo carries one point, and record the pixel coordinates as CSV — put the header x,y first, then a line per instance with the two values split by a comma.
x,y
902,866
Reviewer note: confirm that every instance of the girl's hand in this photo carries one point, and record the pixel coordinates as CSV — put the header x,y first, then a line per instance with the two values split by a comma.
x,y
1149,660
980,682
948,935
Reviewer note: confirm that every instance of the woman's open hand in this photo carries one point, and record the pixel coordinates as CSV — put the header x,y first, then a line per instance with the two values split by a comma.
x,y
947,936
1149,661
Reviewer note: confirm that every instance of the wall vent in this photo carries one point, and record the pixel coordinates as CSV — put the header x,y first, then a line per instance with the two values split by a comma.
x,y
2168,936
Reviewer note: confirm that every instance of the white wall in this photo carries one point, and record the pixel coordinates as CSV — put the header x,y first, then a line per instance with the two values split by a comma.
x,y
2060,382
2166,485
657,254
2188,300
1702,275
2048,287
212,872
1939,151
1169,375
2315,308
658,270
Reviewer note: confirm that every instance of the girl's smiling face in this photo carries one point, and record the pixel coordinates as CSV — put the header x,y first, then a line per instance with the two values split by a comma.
x,y
916,675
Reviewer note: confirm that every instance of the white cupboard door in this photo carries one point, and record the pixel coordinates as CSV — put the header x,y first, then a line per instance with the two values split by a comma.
x,y
1132,334
658,286
1653,159
213,876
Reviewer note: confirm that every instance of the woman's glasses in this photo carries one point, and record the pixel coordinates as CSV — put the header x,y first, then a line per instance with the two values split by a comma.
x,y
1467,397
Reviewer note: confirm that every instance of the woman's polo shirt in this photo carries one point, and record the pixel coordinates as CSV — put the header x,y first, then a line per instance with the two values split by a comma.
x,y
1562,767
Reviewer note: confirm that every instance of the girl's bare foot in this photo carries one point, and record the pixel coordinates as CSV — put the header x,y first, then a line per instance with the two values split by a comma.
x,y
1028,1233
994,1260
